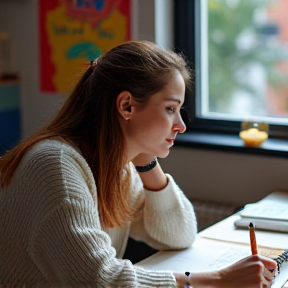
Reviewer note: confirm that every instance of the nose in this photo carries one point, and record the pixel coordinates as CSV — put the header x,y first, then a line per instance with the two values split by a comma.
x,y
179,126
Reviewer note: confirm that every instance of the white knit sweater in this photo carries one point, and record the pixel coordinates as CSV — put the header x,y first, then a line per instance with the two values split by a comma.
x,y
50,231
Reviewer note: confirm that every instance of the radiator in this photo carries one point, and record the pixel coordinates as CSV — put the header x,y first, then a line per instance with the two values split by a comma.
x,y
208,212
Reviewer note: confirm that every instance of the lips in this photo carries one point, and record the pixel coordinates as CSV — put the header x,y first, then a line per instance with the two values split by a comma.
x,y
170,141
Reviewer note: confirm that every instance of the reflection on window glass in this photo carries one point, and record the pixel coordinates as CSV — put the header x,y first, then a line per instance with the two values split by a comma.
x,y
247,51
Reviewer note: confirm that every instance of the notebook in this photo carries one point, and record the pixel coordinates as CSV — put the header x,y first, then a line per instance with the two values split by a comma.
x,y
272,207
270,213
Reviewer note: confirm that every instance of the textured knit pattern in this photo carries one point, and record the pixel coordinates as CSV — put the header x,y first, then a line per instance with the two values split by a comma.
x,y
50,231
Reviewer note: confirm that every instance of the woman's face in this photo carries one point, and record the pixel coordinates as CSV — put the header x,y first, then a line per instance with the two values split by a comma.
x,y
153,126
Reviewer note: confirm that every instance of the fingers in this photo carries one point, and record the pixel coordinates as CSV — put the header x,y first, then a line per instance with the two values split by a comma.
x,y
269,263
269,270
268,277
266,284
267,273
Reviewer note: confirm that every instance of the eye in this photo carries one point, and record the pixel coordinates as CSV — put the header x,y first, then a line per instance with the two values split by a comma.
x,y
171,110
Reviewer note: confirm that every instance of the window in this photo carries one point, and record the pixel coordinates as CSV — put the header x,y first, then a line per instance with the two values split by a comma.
x,y
239,50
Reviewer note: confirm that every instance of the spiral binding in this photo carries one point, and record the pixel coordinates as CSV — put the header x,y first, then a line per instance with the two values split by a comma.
x,y
281,258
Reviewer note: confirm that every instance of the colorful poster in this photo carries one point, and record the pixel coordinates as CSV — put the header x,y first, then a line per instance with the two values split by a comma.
x,y
72,32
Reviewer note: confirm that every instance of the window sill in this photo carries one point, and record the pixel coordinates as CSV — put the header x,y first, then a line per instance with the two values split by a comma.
x,y
233,143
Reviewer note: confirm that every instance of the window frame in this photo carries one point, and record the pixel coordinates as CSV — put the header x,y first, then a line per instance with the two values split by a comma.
x,y
186,23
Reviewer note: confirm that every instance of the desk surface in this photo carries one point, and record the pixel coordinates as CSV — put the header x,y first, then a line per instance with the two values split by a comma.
x,y
207,254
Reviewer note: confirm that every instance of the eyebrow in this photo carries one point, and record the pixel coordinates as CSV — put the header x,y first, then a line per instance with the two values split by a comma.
x,y
173,99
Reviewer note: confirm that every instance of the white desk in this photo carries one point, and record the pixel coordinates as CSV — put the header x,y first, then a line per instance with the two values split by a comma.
x,y
208,254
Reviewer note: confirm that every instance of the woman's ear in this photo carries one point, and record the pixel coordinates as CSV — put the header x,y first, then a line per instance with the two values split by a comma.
x,y
124,103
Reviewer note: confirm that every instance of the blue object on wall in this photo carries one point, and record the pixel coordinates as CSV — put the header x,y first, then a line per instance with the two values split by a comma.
x,y
10,116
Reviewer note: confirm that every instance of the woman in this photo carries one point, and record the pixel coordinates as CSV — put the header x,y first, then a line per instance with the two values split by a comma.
x,y
72,193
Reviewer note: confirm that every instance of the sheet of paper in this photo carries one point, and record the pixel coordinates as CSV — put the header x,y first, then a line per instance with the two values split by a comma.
x,y
205,255
226,231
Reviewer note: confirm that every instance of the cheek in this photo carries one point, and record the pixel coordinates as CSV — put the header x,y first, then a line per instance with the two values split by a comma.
x,y
158,127
150,127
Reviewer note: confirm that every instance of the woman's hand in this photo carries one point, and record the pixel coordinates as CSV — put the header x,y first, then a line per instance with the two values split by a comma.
x,y
252,271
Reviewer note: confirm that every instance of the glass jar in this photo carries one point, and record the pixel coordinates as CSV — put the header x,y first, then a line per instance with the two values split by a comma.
x,y
254,133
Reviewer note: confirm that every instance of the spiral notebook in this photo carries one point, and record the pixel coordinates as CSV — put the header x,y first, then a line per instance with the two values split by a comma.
x,y
279,255
270,243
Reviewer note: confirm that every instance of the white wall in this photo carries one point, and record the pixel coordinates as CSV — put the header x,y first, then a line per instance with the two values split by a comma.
x,y
232,177
227,177
20,18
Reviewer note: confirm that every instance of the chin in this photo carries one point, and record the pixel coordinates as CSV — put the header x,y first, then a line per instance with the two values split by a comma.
x,y
163,154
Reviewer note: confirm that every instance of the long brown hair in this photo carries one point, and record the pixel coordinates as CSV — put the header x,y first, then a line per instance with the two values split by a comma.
x,y
88,119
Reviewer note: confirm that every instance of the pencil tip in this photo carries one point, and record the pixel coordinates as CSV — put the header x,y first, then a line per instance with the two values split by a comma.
x,y
251,225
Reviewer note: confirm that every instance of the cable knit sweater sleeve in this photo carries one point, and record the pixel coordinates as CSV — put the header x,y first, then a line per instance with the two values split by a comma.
x,y
165,219
68,244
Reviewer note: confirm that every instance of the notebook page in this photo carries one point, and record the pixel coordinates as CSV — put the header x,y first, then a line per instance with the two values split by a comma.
x,y
204,255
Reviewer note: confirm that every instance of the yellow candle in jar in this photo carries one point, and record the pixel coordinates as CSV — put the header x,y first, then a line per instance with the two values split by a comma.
x,y
253,137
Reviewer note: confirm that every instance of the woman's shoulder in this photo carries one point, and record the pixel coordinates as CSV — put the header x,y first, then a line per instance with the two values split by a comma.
x,y
53,149
53,145
58,155
55,159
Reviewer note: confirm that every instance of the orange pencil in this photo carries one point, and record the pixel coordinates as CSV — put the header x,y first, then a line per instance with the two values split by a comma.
x,y
253,242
